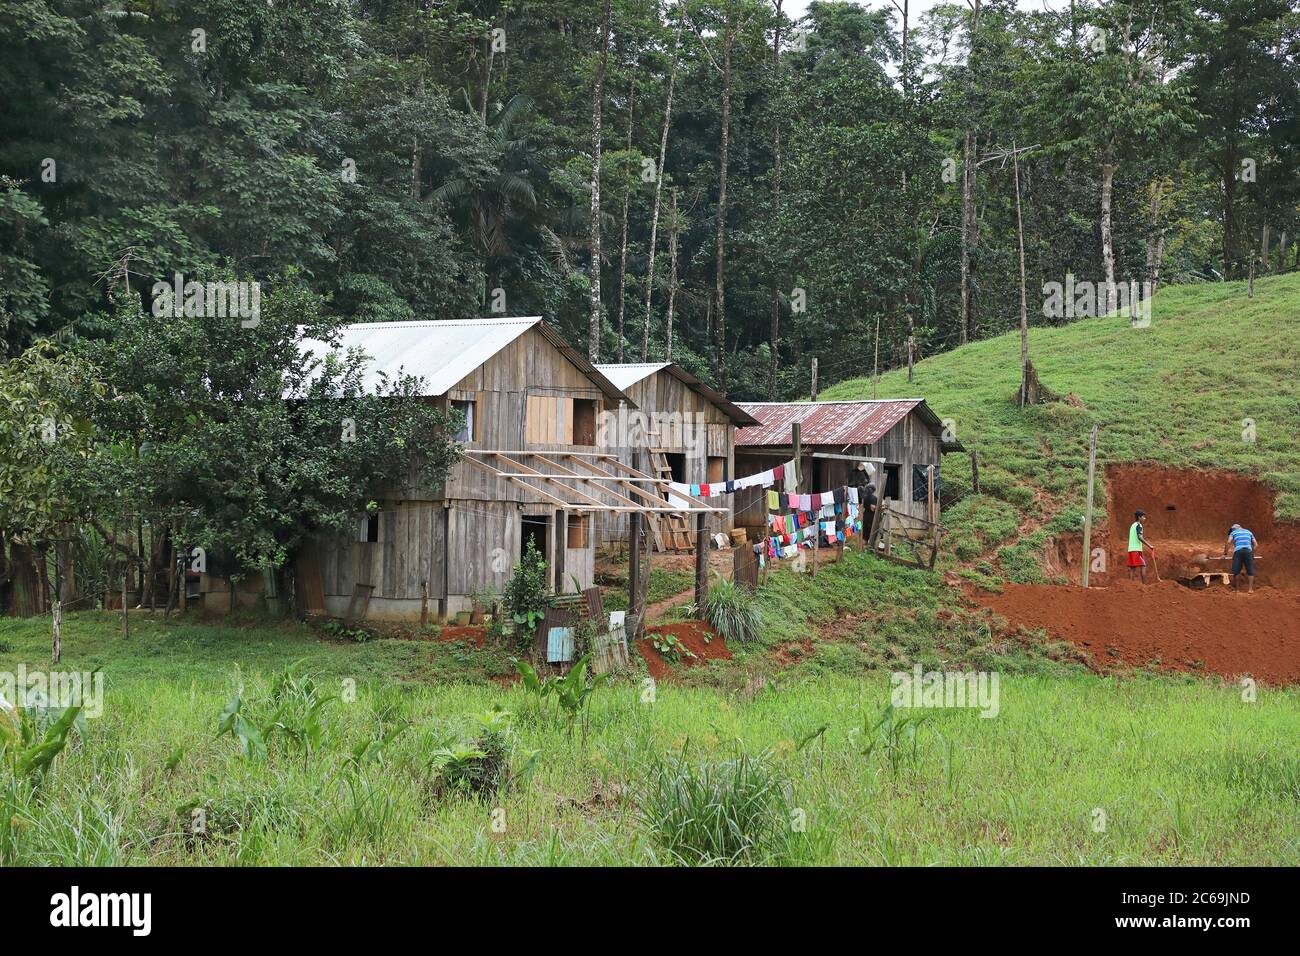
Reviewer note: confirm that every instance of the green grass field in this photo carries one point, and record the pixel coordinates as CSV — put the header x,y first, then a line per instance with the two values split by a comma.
x,y
388,751
1078,770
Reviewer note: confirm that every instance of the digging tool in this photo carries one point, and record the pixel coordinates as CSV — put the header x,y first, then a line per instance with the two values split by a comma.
x,y
1154,566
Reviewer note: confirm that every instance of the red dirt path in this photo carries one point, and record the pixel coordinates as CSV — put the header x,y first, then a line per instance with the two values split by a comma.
x,y
1198,631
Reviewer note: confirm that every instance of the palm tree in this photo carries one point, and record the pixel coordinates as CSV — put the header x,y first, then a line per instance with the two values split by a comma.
x,y
492,211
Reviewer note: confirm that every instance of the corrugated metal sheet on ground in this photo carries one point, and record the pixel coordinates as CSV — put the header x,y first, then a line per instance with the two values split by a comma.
x,y
823,423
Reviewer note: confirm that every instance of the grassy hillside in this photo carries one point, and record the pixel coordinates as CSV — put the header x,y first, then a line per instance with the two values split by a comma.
x,y
1176,393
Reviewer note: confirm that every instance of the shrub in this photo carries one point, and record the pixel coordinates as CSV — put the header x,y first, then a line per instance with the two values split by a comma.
x,y
730,812
482,767
526,597
732,612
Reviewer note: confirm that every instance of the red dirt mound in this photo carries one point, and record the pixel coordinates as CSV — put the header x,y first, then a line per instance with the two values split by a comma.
x,y
466,633
1199,631
692,634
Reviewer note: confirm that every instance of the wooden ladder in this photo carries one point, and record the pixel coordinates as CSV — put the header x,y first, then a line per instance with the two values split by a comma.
x,y
672,532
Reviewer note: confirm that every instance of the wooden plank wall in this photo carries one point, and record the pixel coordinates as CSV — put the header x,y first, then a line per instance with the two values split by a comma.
x,y
702,432
410,549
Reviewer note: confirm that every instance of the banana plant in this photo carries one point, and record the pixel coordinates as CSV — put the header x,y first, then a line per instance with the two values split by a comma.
x,y
232,721
19,746
574,692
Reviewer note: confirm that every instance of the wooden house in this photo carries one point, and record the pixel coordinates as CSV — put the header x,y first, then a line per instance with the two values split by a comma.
x,y
531,468
899,438
674,426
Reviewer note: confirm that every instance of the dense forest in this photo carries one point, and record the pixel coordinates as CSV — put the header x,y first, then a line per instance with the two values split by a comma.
x,y
709,180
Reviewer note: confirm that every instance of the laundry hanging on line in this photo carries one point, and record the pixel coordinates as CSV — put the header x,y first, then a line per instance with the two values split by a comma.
x,y
801,522
764,479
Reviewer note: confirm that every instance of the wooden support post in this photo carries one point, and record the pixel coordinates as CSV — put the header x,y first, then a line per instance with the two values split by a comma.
x,y
796,441
1086,557
929,494
817,540
701,560
635,612
424,604
974,471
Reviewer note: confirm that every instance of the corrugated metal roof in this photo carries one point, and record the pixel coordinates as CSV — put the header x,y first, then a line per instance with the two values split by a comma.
x,y
832,423
443,353
628,374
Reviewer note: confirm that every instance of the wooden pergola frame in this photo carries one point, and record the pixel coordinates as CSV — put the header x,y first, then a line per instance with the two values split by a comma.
x,y
595,482
557,481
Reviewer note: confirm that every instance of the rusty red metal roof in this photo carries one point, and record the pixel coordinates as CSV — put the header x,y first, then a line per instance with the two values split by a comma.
x,y
828,423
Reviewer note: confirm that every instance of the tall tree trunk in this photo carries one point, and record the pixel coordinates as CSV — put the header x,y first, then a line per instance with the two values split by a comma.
x,y
968,198
622,249
1230,171
597,109
28,599
415,159
775,336
659,183
1156,238
1107,239
487,79
68,575
1024,307
967,234
672,280
724,153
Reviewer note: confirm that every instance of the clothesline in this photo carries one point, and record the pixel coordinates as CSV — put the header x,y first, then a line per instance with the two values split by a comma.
x,y
780,501
764,479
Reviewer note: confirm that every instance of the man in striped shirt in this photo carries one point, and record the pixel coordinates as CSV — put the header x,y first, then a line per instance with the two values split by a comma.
x,y
1243,546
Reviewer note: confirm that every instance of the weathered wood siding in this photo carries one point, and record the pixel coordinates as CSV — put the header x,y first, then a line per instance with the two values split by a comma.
x,y
466,535
689,425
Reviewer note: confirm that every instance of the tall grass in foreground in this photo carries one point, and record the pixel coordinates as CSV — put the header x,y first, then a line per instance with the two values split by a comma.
x,y
729,811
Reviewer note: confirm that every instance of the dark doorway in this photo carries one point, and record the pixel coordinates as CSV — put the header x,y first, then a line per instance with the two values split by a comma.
x,y
891,482
535,528
677,462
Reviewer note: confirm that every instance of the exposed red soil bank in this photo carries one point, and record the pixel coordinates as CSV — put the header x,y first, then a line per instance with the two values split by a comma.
x,y
1199,631
1188,514
692,634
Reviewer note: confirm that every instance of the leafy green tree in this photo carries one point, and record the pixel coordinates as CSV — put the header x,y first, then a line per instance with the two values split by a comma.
x,y
242,443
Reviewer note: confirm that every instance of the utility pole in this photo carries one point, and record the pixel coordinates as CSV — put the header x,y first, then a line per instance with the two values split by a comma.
x,y
1087,515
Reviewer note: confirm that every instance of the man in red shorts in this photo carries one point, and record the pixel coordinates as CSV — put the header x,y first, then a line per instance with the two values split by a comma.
x,y
1137,565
